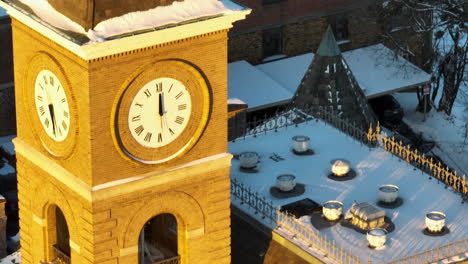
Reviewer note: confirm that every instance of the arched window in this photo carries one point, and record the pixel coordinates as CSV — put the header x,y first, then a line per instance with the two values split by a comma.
x,y
58,236
158,240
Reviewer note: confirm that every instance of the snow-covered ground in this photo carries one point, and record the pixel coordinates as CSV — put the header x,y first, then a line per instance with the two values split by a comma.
x,y
449,132
14,258
374,167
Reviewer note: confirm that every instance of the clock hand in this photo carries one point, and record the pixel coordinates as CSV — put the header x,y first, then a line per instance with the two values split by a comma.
x,y
164,110
161,112
52,117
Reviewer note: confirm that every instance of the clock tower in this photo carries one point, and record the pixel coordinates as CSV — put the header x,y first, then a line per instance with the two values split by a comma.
x,y
122,130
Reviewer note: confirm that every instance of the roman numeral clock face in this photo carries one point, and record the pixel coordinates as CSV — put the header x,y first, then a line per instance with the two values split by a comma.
x,y
159,112
52,105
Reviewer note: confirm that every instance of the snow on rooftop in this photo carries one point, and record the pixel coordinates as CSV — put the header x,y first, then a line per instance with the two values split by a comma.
x,y
380,70
374,167
159,16
254,87
235,101
8,147
3,13
377,69
6,169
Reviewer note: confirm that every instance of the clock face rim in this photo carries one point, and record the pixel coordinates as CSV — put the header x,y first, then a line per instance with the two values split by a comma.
x,y
196,85
51,95
45,61
144,118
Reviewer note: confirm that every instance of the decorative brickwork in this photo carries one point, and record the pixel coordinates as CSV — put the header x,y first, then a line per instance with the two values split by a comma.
x,y
246,47
106,197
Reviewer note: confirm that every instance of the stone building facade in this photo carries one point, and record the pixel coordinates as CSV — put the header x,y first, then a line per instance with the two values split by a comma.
x,y
294,27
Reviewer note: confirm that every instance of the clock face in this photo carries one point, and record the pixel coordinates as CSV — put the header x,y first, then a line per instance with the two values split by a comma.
x,y
159,112
52,105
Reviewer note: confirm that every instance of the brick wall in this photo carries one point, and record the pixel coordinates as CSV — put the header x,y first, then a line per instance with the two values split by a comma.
x,y
304,36
263,15
3,221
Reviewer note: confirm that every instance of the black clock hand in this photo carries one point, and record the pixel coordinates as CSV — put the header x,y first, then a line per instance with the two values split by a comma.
x,y
52,117
161,106
160,110
163,109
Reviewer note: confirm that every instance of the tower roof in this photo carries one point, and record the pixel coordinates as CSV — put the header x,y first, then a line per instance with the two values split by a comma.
x,y
328,46
329,83
88,13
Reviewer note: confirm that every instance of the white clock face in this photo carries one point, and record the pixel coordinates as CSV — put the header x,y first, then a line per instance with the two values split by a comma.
x,y
52,105
159,112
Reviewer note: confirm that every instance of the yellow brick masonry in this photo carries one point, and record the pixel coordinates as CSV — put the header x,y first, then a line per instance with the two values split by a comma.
x,y
105,220
106,230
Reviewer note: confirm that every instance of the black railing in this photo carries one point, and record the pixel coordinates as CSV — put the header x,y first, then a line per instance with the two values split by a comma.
x,y
61,257
292,116
171,260
253,200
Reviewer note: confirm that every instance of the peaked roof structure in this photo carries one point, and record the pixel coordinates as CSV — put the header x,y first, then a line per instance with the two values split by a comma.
x,y
329,83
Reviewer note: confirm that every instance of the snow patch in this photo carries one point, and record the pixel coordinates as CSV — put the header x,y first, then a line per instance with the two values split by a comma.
x,y
3,13
159,16
14,258
6,169
235,101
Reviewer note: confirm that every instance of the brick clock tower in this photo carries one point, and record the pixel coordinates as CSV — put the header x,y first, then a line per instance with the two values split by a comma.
x,y
122,144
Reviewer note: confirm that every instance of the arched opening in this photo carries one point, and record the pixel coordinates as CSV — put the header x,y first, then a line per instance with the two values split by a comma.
x,y
158,240
58,236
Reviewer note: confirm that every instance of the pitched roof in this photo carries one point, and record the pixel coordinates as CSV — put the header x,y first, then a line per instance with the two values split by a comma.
x,y
328,46
329,83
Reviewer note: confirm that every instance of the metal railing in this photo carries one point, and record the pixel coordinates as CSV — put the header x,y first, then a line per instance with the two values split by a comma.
x,y
293,116
313,238
171,260
61,257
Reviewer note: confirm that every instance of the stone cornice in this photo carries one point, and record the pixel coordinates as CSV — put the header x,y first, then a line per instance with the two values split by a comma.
x,y
124,186
128,43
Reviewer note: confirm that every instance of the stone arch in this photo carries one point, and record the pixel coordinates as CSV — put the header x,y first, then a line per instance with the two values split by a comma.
x,y
187,211
54,198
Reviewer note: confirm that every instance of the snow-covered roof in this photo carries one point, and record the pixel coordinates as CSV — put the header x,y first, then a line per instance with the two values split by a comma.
x,y
160,25
254,87
374,167
134,21
377,69
3,13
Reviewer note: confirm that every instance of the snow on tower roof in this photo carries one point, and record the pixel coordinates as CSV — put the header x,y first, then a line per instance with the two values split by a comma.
x,y
134,21
147,28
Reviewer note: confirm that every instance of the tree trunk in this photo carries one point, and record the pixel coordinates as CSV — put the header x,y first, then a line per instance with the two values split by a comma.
x,y
451,86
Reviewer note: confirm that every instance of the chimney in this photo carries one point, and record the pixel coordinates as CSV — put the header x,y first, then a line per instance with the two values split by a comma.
x,y
3,221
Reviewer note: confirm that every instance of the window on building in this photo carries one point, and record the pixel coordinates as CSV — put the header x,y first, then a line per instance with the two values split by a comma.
x,y
62,246
158,240
340,27
272,41
399,22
